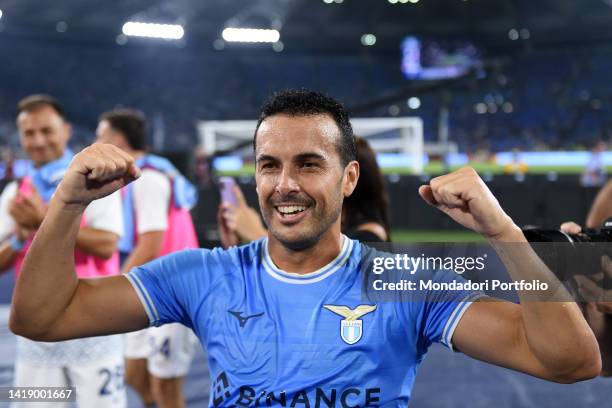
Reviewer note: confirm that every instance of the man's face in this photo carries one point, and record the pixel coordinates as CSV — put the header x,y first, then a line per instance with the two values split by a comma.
x,y
105,133
301,183
43,134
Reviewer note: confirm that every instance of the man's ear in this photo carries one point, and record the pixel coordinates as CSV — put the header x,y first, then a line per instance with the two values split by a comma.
x,y
351,176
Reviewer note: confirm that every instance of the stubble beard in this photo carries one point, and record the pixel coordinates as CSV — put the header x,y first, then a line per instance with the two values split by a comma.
x,y
309,238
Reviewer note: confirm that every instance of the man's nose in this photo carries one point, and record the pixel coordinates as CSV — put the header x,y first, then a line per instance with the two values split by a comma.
x,y
38,139
287,182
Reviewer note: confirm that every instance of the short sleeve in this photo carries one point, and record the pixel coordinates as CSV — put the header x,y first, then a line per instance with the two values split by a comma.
x,y
438,312
151,200
106,214
171,287
7,225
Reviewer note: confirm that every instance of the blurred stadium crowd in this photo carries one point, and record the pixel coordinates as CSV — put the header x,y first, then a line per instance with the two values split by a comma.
x,y
551,99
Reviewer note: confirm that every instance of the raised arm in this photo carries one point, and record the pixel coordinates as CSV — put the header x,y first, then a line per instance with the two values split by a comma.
x,y
601,209
50,303
549,339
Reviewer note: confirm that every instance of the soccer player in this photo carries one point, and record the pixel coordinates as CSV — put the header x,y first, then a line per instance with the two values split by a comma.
x,y
157,222
364,213
93,365
283,318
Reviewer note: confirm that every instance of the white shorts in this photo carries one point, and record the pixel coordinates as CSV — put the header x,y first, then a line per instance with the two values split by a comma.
x,y
169,349
98,384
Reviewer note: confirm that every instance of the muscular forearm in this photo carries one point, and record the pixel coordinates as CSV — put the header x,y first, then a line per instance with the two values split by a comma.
x,y
97,242
7,257
47,280
552,324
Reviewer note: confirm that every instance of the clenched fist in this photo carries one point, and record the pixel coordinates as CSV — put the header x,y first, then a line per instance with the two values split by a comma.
x,y
97,171
466,199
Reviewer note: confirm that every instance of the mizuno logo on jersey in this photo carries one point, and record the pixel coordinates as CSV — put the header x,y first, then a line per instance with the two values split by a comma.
x,y
243,319
351,327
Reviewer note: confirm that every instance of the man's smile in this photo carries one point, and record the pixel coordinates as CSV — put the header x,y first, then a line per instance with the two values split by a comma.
x,y
291,213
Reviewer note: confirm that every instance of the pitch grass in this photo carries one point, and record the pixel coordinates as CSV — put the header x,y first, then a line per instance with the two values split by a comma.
x,y
436,168
420,236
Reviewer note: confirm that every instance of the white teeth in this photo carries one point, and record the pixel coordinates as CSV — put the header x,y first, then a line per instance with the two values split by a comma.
x,y
290,209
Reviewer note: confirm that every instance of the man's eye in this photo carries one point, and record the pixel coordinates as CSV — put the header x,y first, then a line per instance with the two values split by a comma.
x,y
309,164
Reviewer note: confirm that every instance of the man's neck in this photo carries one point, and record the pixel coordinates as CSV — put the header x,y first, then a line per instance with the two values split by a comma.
x,y
306,260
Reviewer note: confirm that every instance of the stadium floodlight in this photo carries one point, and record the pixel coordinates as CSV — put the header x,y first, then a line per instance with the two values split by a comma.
x,y
0,13
414,102
153,30
250,35
367,40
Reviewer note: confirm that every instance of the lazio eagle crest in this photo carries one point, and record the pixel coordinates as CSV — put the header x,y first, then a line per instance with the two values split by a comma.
x,y
351,328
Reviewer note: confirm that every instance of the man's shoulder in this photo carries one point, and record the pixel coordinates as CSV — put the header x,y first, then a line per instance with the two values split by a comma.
x,y
242,256
217,260
367,252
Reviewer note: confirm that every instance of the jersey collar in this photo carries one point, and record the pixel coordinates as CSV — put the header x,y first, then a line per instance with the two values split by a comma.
x,y
312,277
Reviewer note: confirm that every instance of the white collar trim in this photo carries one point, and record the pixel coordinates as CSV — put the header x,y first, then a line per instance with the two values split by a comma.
x,y
311,277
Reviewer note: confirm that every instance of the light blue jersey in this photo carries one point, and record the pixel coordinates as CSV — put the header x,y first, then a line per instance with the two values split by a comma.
x,y
281,339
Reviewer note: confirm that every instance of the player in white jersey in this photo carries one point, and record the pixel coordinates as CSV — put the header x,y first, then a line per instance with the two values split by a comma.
x,y
158,358
94,366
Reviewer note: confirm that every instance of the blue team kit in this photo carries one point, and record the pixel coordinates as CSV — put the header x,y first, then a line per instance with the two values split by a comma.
x,y
281,339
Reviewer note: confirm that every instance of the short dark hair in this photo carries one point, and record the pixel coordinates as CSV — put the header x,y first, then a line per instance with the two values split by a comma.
x,y
303,102
131,123
32,103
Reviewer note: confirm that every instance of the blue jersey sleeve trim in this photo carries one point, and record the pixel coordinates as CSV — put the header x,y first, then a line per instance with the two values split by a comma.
x,y
143,296
455,317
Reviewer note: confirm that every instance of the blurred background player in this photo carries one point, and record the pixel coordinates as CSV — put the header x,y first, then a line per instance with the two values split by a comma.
x,y
594,174
93,365
365,213
157,222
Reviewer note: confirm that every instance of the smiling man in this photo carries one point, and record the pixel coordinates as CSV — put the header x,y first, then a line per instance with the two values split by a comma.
x,y
94,365
283,319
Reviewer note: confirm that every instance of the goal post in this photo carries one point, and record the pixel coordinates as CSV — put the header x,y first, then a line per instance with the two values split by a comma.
x,y
402,136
